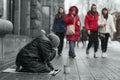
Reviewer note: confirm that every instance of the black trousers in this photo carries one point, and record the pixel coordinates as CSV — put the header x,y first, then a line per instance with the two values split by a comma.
x,y
104,42
61,37
93,40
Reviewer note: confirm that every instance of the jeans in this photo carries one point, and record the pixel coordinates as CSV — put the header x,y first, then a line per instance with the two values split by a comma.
x,y
71,48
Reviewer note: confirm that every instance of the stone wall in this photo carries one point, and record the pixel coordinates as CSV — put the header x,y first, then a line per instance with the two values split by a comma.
x,y
35,16
29,17
11,44
46,18
25,17
117,24
1,7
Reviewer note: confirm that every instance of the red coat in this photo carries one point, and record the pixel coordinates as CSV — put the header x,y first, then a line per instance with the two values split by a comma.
x,y
69,20
91,22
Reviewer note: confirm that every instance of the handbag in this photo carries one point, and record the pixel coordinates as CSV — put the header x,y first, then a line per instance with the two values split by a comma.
x,y
70,29
101,36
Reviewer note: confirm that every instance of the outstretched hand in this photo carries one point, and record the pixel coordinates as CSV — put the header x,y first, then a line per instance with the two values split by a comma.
x,y
54,72
50,66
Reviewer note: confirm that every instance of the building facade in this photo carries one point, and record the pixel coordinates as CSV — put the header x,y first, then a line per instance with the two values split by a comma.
x,y
30,16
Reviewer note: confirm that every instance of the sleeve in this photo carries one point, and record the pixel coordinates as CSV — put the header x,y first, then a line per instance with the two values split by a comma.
x,y
68,19
79,24
100,21
113,24
54,24
46,49
64,22
86,22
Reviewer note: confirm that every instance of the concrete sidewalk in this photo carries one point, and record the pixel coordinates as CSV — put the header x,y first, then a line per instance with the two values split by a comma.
x,y
81,68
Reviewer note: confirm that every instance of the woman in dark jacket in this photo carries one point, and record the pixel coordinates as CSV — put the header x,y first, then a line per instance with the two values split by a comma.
x,y
59,28
36,56
84,36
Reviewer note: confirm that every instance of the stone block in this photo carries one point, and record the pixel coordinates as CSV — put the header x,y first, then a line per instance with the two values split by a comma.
x,y
35,24
1,8
35,14
1,51
35,32
6,27
36,6
40,1
34,2
12,44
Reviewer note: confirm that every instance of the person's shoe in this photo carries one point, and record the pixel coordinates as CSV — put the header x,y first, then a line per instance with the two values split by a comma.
x,y
87,52
96,55
18,69
104,55
54,72
59,53
72,55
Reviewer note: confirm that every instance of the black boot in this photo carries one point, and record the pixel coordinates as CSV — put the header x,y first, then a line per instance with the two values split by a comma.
x,y
72,55
59,53
87,52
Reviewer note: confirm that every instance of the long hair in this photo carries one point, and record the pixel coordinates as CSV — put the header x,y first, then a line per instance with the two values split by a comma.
x,y
105,16
60,15
91,11
92,6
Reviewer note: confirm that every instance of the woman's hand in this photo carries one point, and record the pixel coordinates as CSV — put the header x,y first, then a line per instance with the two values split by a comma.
x,y
89,32
104,25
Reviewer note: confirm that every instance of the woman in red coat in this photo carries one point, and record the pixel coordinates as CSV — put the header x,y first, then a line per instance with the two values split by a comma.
x,y
73,19
91,23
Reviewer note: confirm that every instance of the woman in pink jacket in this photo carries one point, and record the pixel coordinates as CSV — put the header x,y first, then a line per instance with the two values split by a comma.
x,y
73,19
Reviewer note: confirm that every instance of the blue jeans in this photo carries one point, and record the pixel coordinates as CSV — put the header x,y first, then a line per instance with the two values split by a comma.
x,y
71,48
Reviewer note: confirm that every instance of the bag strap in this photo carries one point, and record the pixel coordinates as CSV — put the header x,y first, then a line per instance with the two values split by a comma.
x,y
74,21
